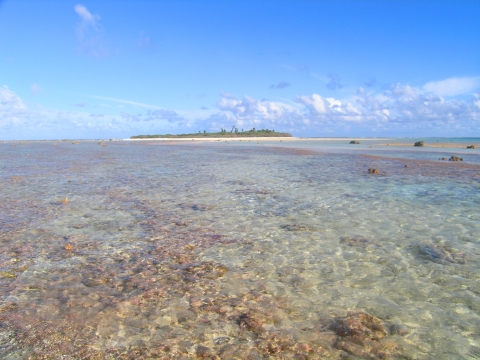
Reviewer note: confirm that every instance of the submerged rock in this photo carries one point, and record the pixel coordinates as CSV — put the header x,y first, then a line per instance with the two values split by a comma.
x,y
202,269
203,351
181,223
297,227
221,340
251,323
254,191
356,241
364,336
197,207
440,254
419,143
398,329
360,324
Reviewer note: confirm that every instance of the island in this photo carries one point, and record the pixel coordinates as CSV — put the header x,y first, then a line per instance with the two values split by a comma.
x,y
234,133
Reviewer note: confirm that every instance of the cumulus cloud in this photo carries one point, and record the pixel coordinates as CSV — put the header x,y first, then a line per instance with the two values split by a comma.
x,y
321,108
250,109
453,86
35,89
334,83
12,108
280,85
397,109
248,112
89,32
9,101
403,104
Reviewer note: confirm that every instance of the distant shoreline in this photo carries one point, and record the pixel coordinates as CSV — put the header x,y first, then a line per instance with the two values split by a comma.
x,y
212,139
218,135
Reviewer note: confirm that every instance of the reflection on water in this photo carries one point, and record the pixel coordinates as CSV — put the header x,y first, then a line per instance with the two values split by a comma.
x,y
220,251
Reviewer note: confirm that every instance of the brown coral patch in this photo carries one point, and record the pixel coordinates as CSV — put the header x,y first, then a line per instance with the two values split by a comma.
x,y
364,336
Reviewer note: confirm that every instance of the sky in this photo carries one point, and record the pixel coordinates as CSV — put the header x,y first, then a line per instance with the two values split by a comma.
x,y
344,68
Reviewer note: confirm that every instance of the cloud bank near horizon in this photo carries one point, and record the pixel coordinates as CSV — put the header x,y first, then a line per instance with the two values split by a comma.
x,y
396,109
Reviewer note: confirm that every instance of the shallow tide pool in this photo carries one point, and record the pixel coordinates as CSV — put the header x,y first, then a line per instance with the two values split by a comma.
x,y
154,250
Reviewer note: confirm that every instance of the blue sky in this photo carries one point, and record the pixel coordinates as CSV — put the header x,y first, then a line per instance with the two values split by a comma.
x,y
112,69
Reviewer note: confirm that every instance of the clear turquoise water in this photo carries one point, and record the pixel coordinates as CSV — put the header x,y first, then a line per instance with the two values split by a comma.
x,y
237,250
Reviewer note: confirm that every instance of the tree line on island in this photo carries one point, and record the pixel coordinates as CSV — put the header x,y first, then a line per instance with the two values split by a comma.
x,y
223,133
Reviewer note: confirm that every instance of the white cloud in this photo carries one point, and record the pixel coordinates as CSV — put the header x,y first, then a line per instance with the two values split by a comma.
x,y
12,108
453,86
89,33
321,108
315,103
251,111
82,11
401,109
9,101
19,121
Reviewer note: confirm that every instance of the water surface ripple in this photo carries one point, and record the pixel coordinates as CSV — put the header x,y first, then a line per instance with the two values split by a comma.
x,y
221,251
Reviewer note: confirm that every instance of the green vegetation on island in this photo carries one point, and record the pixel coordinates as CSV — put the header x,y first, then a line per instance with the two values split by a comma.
x,y
221,134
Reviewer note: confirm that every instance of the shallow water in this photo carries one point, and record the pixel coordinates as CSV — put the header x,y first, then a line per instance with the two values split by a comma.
x,y
204,250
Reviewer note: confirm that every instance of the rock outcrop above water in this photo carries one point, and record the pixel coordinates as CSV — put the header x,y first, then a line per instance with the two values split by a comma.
x,y
373,171
471,147
419,143
354,142
455,158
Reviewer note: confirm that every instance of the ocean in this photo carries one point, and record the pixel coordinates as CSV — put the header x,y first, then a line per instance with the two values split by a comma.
x,y
240,250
